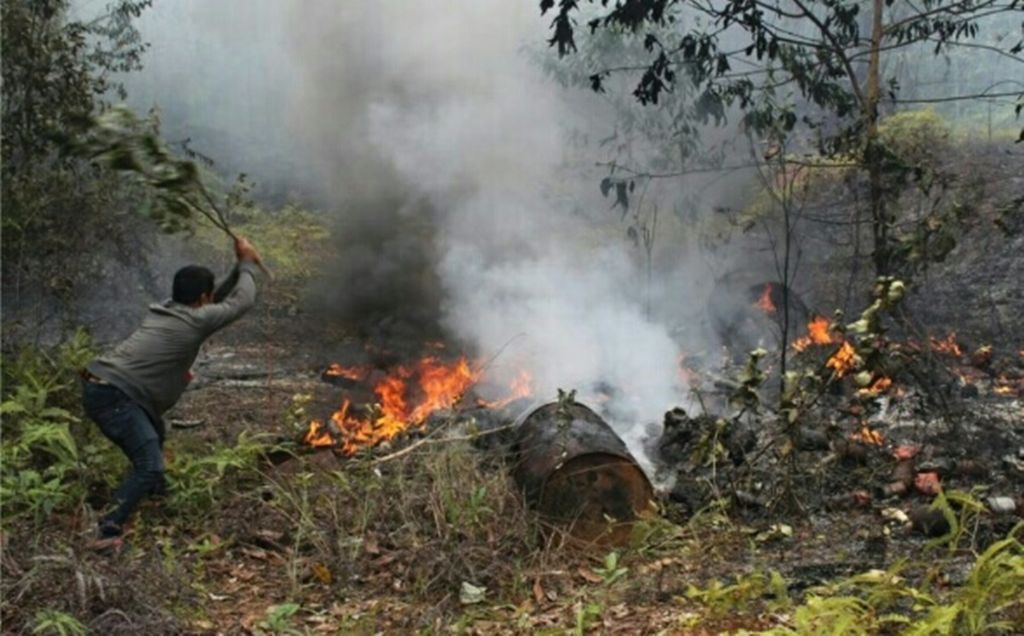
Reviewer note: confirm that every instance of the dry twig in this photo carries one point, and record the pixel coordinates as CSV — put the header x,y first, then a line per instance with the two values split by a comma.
x,y
429,440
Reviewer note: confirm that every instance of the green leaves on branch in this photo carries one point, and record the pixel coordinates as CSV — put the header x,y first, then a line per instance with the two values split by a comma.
x,y
750,378
888,293
610,571
119,140
865,347
885,601
50,621
40,459
201,481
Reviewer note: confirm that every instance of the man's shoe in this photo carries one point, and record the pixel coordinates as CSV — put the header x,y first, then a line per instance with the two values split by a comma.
x,y
160,491
108,529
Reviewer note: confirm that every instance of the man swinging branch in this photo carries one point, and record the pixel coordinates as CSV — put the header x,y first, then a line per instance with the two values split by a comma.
x,y
127,390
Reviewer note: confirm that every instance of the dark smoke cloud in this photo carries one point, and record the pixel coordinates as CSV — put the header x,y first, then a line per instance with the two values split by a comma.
x,y
439,151
459,208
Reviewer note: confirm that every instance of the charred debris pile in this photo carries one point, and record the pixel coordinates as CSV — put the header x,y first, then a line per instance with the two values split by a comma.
x,y
861,417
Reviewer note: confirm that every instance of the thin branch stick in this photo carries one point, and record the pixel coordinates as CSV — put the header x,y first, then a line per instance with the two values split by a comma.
x,y
214,221
501,350
954,98
218,220
428,440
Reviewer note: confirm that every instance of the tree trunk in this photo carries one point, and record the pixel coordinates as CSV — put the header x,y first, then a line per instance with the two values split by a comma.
x,y
872,156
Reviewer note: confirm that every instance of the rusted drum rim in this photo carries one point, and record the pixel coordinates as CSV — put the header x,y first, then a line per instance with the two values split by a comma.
x,y
597,493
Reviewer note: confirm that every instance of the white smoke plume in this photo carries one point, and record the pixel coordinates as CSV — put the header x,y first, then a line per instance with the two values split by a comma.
x,y
440,101
440,148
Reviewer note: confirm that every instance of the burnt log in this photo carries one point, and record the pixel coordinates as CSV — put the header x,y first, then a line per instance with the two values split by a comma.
x,y
579,474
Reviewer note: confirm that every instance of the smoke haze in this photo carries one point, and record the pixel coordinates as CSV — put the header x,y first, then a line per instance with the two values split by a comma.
x,y
437,129
465,206
440,151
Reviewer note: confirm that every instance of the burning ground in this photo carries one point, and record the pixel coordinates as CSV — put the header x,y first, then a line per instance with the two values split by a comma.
x,y
504,383
402,513
328,477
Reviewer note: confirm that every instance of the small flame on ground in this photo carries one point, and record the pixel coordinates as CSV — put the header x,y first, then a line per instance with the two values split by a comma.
x,y
946,345
320,435
867,435
520,387
405,398
764,303
842,361
876,387
335,370
817,333
443,386
1004,386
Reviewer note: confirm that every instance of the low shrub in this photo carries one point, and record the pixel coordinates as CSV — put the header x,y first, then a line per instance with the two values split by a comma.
x,y
50,454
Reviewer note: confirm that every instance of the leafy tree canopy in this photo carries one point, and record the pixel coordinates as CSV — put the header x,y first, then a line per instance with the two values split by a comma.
x,y
754,53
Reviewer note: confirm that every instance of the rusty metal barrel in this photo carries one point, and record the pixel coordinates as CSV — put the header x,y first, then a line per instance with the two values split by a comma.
x,y
579,474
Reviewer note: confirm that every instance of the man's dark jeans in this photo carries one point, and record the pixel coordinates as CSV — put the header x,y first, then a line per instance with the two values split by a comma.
x,y
126,424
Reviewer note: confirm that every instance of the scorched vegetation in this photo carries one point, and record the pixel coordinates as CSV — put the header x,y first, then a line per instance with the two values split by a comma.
x,y
680,317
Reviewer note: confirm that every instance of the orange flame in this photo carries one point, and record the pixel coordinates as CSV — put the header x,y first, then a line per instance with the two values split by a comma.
x,y
405,398
1006,387
318,435
843,360
876,387
350,373
520,387
817,333
765,301
867,435
946,345
442,386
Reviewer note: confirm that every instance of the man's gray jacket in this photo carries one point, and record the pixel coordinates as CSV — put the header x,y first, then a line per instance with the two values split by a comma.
x,y
153,366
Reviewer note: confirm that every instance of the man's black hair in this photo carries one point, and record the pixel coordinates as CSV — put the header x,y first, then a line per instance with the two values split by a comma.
x,y
190,283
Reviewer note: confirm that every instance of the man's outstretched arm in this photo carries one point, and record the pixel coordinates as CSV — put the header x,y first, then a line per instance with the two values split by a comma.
x,y
237,294
227,285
